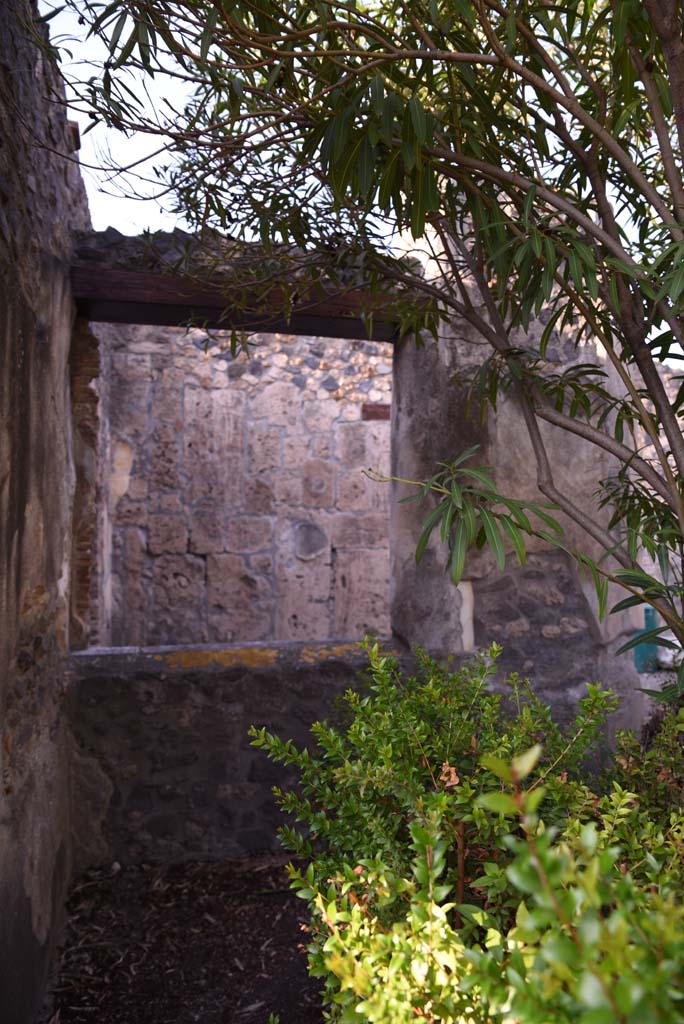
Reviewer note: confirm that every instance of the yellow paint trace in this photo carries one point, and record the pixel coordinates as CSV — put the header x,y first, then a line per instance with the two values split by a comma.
x,y
251,657
319,652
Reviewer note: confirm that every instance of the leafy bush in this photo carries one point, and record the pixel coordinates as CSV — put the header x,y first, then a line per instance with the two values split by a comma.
x,y
461,870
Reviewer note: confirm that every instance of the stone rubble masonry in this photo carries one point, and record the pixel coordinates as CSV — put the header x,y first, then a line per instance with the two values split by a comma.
x,y
41,201
238,499
164,768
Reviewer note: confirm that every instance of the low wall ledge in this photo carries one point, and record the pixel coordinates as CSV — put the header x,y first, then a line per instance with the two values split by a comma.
x,y
218,657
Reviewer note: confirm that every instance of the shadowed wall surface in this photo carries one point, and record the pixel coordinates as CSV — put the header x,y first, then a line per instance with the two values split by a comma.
x,y
41,200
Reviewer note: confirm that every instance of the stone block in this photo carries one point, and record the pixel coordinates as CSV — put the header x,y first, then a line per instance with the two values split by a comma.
x,y
179,600
378,446
350,443
262,563
350,412
217,479
304,598
132,604
165,458
167,535
206,528
132,366
320,446
319,416
178,581
264,449
241,601
137,488
242,625
317,483
360,531
259,497
287,488
294,450
211,375
361,594
249,533
214,423
232,585
305,621
167,403
278,401
121,460
139,366
354,492
129,410
165,502
130,513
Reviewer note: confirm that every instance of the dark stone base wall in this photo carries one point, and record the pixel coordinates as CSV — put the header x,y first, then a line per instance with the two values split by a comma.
x,y
163,767
539,613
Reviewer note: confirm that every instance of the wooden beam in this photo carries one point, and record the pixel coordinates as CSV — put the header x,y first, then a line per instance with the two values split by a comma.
x,y
106,295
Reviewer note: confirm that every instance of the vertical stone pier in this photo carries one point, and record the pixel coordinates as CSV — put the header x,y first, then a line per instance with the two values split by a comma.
x,y
542,613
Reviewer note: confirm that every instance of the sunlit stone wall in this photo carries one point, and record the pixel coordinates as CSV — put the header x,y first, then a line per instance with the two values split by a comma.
x,y
237,492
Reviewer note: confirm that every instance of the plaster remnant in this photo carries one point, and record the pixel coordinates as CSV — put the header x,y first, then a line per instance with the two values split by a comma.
x,y
310,541
465,589
122,464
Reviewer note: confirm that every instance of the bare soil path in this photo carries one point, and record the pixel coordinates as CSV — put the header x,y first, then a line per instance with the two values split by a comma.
x,y
194,943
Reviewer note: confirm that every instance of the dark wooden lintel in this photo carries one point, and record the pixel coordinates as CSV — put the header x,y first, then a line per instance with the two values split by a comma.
x,y
106,295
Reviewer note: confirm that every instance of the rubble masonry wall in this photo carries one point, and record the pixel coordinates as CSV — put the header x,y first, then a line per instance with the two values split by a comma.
x,y
238,503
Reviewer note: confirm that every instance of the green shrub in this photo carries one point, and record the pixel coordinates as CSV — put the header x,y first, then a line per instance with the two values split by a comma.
x,y
460,870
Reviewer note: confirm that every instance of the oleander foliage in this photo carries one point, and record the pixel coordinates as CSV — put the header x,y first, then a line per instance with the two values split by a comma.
x,y
534,153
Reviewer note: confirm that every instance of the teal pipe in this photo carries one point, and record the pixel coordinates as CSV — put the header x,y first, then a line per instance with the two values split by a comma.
x,y
646,654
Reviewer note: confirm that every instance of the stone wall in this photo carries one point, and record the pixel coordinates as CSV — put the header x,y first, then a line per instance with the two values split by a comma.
x,y
543,613
164,768
41,201
239,506
88,388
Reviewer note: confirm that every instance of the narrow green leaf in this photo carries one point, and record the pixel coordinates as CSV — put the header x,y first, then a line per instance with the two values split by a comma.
x,y
552,523
459,551
447,521
377,93
602,596
649,636
429,524
470,520
628,602
456,495
515,537
493,536
511,30
481,475
528,205
418,120
117,30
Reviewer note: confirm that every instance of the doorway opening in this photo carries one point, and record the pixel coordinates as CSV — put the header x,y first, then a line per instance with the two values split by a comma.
x,y
231,494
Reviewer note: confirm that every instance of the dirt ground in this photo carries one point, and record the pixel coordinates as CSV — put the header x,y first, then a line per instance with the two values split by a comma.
x,y
194,943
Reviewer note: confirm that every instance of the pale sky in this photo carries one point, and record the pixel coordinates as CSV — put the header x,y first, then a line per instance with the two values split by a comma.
x,y
109,205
